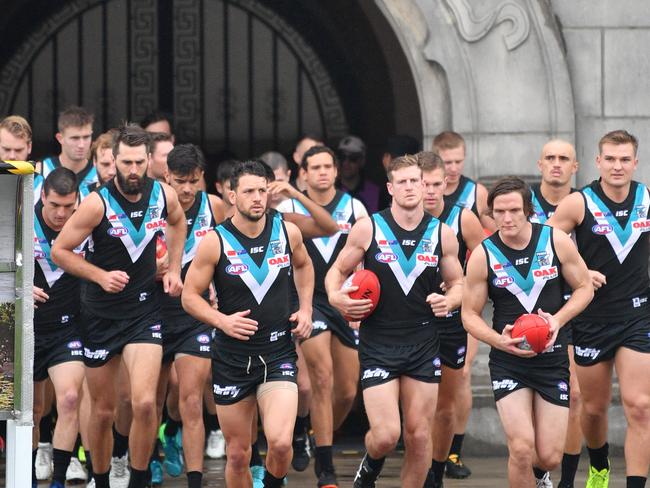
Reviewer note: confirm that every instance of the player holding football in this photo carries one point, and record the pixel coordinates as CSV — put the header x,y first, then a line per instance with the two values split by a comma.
x,y
522,268
410,252
610,220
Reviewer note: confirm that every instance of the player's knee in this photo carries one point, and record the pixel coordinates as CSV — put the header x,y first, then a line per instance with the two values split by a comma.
x,y
103,413
522,451
416,438
304,386
637,410
346,394
238,457
322,380
279,446
191,407
594,409
575,403
144,407
386,437
68,402
550,459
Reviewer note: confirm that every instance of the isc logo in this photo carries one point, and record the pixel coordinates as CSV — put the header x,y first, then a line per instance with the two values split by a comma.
x,y
601,229
385,257
117,231
503,282
136,214
236,269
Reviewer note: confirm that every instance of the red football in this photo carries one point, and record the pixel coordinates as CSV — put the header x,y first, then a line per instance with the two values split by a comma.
x,y
369,288
534,329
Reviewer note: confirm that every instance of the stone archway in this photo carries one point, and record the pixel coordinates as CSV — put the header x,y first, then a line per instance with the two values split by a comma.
x,y
494,71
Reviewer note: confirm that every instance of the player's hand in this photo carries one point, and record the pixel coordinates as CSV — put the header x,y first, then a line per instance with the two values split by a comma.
x,y
282,188
162,266
349,307
302,319
238,325
443,287
438,304
162,257
39,296
172,284
509,344
113,281
597,279
554,327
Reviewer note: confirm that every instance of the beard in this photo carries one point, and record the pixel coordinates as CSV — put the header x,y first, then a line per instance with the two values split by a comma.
x,y
129,186
250,216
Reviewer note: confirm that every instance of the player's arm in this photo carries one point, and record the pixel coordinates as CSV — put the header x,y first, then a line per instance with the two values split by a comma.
x,y
198,278
475,293
304,279
482,208
218,208
74,232
473,233
350,256
452,276
320,224
175,234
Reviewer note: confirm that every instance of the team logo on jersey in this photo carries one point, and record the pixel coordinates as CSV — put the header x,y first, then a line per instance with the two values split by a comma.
x,y
276,247
546,273
386,257
117,231
503,281
203,338
543,259
154,212
641,211
236,269
602,229
203,221
427,247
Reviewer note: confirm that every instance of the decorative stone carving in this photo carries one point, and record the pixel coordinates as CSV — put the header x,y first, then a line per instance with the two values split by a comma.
x,y
472,28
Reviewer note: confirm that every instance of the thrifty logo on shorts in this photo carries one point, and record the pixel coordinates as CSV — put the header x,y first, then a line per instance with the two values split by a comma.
x,y
375,373
100,354
504,385
226,391
586,352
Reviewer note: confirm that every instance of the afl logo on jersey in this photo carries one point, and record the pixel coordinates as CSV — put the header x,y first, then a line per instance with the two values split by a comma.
x,y
74,345
203,338
503,282
642,225
601,229
38,254
118,231
385,257
236,269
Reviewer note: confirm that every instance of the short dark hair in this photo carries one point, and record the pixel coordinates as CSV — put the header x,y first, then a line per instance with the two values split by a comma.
x,y
617,138
156,137
311,137
158,116
270,175
225,169
511,184
62,181
313,151
74,116
430,161
399,145
185,159
131,135
254,168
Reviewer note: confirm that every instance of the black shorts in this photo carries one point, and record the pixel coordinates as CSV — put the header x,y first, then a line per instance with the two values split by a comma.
x,y
325,317
453,346
381,363
56,347
597,342
552,383
104,338
568,328
195,339
237,376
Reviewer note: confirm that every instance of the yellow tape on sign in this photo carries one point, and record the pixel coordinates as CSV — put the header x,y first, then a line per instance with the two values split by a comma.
x,y
16,167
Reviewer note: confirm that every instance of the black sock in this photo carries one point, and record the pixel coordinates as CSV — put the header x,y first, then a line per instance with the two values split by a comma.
x,y
194,479
45,429
457,444
598,457
171,427
256,459
539,473
636,481
120,443
324,458
569,467
271,481
438,469
61,460
300,427
375,464
211,422
89,465
155,454
101,480
77,445
138,479
34,465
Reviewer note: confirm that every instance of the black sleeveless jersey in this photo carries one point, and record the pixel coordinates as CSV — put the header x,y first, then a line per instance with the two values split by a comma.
x,y
85,177
62,288
464,195
542,209
324,250
253,274
451,215
125,240
199,220
406,263
613,239
523,281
